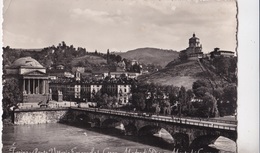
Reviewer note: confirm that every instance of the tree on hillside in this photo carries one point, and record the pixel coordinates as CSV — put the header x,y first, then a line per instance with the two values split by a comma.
x,y
222,65
199,83
200,87
118,58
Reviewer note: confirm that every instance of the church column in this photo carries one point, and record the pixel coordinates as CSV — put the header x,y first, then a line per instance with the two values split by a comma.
x,y
33,86
43,86
46,87
23,85
38,86
29,86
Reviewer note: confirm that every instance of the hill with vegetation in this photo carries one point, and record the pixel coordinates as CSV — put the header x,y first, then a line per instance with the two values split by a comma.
x,y
184,73
69,56
154,56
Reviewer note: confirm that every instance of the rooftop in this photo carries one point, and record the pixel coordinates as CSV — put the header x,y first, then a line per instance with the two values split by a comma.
x,y
26,62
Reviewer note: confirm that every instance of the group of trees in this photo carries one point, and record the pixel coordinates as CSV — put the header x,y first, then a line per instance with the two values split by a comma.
x,y
200,101
225,67
12,95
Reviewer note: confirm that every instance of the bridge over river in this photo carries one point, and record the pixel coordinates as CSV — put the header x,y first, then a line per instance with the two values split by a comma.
x,y
186,132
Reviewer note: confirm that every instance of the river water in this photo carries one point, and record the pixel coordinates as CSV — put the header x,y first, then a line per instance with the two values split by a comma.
x,y
61,138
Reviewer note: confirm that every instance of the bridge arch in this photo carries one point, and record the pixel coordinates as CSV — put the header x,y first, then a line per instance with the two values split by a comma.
x,y
181,140
206,140
148,130
82,118
130,129
96,122
203,141
111,123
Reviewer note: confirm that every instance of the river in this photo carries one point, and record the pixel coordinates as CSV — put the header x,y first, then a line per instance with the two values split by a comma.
x,y
60,138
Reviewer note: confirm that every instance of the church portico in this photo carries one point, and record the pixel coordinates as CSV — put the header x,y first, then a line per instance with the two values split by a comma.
x,y
34,85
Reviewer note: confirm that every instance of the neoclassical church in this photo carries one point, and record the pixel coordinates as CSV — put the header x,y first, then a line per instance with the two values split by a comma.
x,y
32,77
195,48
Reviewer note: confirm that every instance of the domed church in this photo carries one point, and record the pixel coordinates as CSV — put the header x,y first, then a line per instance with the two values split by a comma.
x,y
32,77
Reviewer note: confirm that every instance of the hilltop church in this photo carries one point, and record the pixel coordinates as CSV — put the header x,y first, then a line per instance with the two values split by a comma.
x,y
195,48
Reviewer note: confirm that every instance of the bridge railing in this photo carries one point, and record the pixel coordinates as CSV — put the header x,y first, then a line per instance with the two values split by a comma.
x,y
212,120
161,118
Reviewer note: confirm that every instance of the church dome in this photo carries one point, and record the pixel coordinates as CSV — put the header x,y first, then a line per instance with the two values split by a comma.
x,y
194,37
26,62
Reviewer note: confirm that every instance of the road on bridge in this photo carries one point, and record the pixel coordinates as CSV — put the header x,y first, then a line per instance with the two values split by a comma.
x,y
219,124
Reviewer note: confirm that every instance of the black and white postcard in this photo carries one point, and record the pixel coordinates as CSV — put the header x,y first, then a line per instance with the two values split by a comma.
x,y
120,76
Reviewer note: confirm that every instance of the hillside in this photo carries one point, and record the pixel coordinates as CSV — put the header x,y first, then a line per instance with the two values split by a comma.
x,y
151,56
92,59
182,74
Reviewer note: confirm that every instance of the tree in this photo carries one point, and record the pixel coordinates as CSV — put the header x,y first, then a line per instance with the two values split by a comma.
x,y
222,65
118,58
200,87
12,95
230,98
182,99
104,99
157,109
173,95
139,100
199,83
211,104
190,95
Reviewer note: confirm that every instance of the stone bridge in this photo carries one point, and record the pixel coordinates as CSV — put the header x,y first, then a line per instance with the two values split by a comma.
x,y
185,132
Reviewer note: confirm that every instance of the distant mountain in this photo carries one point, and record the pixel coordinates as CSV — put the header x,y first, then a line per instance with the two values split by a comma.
x,y
181,74
151,56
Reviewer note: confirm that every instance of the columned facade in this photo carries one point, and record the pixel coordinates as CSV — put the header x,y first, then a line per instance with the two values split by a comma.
x,y
35,88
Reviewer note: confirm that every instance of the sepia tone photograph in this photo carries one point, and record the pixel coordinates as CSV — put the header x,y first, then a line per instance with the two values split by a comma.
x,y
119,76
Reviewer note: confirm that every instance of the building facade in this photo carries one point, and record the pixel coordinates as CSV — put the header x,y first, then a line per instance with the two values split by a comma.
x,y
86,91
32,77
217,52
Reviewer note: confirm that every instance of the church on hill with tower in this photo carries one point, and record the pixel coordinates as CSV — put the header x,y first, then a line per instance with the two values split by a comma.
x,y
195,48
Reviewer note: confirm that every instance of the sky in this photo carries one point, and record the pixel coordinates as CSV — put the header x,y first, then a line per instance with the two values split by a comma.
x,y
119,25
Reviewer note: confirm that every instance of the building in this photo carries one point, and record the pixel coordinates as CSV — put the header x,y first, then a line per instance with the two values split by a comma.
x,y
86,90
217,52
121,66
32,77
60,67
195,48
123,91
